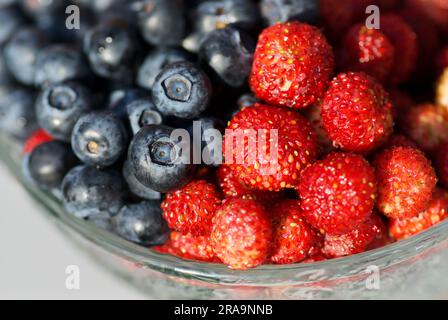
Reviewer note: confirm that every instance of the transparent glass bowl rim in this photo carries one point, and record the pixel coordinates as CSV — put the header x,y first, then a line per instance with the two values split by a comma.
x,y
219,273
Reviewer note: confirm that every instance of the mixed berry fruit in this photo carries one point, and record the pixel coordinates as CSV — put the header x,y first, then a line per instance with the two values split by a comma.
x,y
240,132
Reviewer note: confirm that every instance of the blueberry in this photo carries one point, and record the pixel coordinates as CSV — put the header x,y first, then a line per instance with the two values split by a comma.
x,y
136,187
142,223
59,106
142,112
37,9
17,113
218,14
192,42
181,90
49,163
21,52
5,76
58,63
155,62
158,160
89,192
99,138
211,149
112,50
119,100
11,20
162,22
101,6
274,11
229,53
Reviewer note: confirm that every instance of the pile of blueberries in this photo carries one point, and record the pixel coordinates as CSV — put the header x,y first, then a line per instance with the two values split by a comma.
x,y
111,90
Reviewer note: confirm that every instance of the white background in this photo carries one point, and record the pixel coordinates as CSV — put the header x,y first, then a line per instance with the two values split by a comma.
x,y
34,255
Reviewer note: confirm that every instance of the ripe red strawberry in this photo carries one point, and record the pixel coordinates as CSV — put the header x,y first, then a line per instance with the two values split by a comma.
x,y
232,187
338,193
367,50
441,164
356,112
242,233
188,246
292,65
37,138
252,161
313,115
293,237
191,208
399,140
316,257
402,103
404,39
356,241
427,125
436,212
406,181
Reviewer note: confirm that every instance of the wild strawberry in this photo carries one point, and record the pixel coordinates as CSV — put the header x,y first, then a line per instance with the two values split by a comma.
x,y
316,257
442,90
433,214
337,16
338,193
356,112
292,65
189,246
355,241
427,125
242,233
406,181
37,138
399,140
191,208
406,46
313,115
441,164
293,237
367,50
252,154
436,10
402,103
232,187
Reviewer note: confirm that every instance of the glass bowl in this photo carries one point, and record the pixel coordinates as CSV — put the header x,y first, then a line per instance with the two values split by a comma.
x,y
412,268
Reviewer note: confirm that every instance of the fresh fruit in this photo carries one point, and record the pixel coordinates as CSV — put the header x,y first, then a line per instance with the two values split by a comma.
x,y
356,112
405,42
154,62
136,187
427,125
11,19
192,247
99,139
88,192
142,112
35,139
313,115
59,63
238,49
218,14
232,187
242,234
338,193
21,52
274,11
355,241
367,50
406,181
292,65
399,140
182,90
436,211
142,223
59,106
162,22
191,208
293,237
252,154
49,162
156,159
112,49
